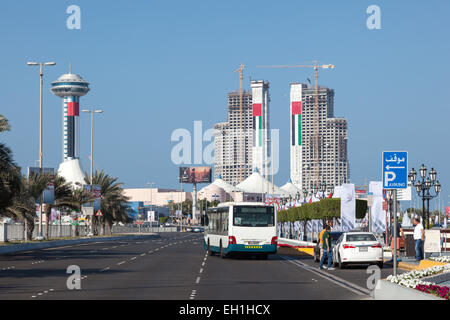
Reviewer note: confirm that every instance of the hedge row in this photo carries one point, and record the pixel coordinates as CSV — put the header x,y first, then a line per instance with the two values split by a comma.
x,y
327,209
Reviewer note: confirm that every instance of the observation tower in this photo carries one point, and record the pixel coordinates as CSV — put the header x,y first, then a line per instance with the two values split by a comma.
x,y
70,87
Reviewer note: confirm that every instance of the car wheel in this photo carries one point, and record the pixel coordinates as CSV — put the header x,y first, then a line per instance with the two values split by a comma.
x,y
380,264
316,257
341,264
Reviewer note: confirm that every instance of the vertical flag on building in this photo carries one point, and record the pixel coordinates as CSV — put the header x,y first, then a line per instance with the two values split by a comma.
x,y
296,118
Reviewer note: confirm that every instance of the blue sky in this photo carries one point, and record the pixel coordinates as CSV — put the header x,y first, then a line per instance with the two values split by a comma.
x,y
155,66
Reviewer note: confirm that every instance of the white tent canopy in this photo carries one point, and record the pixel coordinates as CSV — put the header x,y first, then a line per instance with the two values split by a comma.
x,y
219,182
255,183
291,189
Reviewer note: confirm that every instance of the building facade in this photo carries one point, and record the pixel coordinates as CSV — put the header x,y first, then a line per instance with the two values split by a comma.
x,y
240,145
331,166
261,127
231,161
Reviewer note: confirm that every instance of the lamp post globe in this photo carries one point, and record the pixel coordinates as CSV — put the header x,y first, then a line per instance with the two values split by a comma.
x,y
423,171
433,175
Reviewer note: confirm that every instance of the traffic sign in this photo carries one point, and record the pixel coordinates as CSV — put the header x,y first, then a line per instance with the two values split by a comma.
x,y
395,169
99,214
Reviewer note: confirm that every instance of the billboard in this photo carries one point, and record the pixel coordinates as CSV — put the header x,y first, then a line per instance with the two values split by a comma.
x,y
195,174
96,190
49,192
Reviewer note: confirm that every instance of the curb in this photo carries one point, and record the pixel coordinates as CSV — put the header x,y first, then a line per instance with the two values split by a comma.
x,y
387,290
306,249
61,243
424,264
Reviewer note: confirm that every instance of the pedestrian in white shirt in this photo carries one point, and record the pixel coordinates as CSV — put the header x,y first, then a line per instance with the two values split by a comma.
x,y
419,238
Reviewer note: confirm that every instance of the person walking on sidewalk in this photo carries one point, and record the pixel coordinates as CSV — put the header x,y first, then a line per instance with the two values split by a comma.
x,y
326,246
321,240
419,238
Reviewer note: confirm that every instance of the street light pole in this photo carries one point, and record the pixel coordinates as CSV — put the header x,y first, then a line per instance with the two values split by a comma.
x,y
92,159
41,84
423,187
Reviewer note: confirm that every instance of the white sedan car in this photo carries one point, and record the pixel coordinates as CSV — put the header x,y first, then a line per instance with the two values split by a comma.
x,y
358,248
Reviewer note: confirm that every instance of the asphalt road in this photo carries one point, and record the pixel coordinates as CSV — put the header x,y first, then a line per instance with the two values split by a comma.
x,y
174,266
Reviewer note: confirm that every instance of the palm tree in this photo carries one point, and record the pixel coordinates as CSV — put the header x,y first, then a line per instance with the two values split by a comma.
x,y
76,200
23,206
113,201
63,200
4,124
9,172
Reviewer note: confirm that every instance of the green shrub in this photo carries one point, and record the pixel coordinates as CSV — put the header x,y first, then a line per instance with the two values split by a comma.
x,y
327,209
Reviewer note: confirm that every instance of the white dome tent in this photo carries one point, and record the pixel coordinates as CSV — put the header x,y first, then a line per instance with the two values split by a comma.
x,y
256,183
219,182
291,189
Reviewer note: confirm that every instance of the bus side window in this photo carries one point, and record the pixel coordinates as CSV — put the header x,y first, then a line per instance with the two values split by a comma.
x,y
225,223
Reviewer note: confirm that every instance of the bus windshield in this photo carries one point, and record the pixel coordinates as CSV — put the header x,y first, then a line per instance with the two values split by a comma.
x,y
253,216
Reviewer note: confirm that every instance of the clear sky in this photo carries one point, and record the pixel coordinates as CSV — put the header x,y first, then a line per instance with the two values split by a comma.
x,y
155,66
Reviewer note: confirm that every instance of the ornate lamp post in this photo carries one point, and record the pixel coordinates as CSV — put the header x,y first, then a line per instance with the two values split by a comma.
x,y
423,186
305,194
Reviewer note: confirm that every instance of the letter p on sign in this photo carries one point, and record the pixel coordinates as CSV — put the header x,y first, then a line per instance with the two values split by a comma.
x,y
389,176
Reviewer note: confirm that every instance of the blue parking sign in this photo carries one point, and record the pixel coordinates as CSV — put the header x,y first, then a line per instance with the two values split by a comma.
x,y
395,169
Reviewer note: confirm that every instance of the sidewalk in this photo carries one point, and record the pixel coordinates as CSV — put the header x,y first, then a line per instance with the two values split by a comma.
x,y
412,264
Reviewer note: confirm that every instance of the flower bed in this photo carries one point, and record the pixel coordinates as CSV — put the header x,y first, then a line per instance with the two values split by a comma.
x,y
413,278
441,259
442,292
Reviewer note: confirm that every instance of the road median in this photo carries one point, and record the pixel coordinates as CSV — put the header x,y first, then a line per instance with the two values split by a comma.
x,y
12,248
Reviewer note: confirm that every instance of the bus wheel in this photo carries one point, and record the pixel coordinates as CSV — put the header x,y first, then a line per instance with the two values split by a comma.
x,y
263,256
222,255
210,252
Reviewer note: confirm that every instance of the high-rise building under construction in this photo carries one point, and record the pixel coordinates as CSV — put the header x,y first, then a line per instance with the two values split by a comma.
x,y
241,146
331,166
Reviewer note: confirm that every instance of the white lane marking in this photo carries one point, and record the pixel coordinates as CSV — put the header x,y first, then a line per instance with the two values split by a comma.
x,y
143,254
33,296
203,263
150,251
133,258
50,289
45,291
201,270
121,263
40,294
339,281
114,247
104,269
198,280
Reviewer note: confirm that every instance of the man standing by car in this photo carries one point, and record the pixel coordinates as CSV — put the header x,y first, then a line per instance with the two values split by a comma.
x,y
419,237
391,237
321,240
326,246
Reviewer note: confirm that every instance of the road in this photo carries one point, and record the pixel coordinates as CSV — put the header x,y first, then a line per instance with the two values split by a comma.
x,y
174,266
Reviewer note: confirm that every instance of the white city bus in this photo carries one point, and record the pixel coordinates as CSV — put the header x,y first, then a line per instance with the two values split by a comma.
x,y
241,227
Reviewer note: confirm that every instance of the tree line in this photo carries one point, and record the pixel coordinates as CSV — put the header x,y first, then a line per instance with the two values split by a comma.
x,y
19,194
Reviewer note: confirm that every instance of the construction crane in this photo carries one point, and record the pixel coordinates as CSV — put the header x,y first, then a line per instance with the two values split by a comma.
x,y
241,111
316,67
